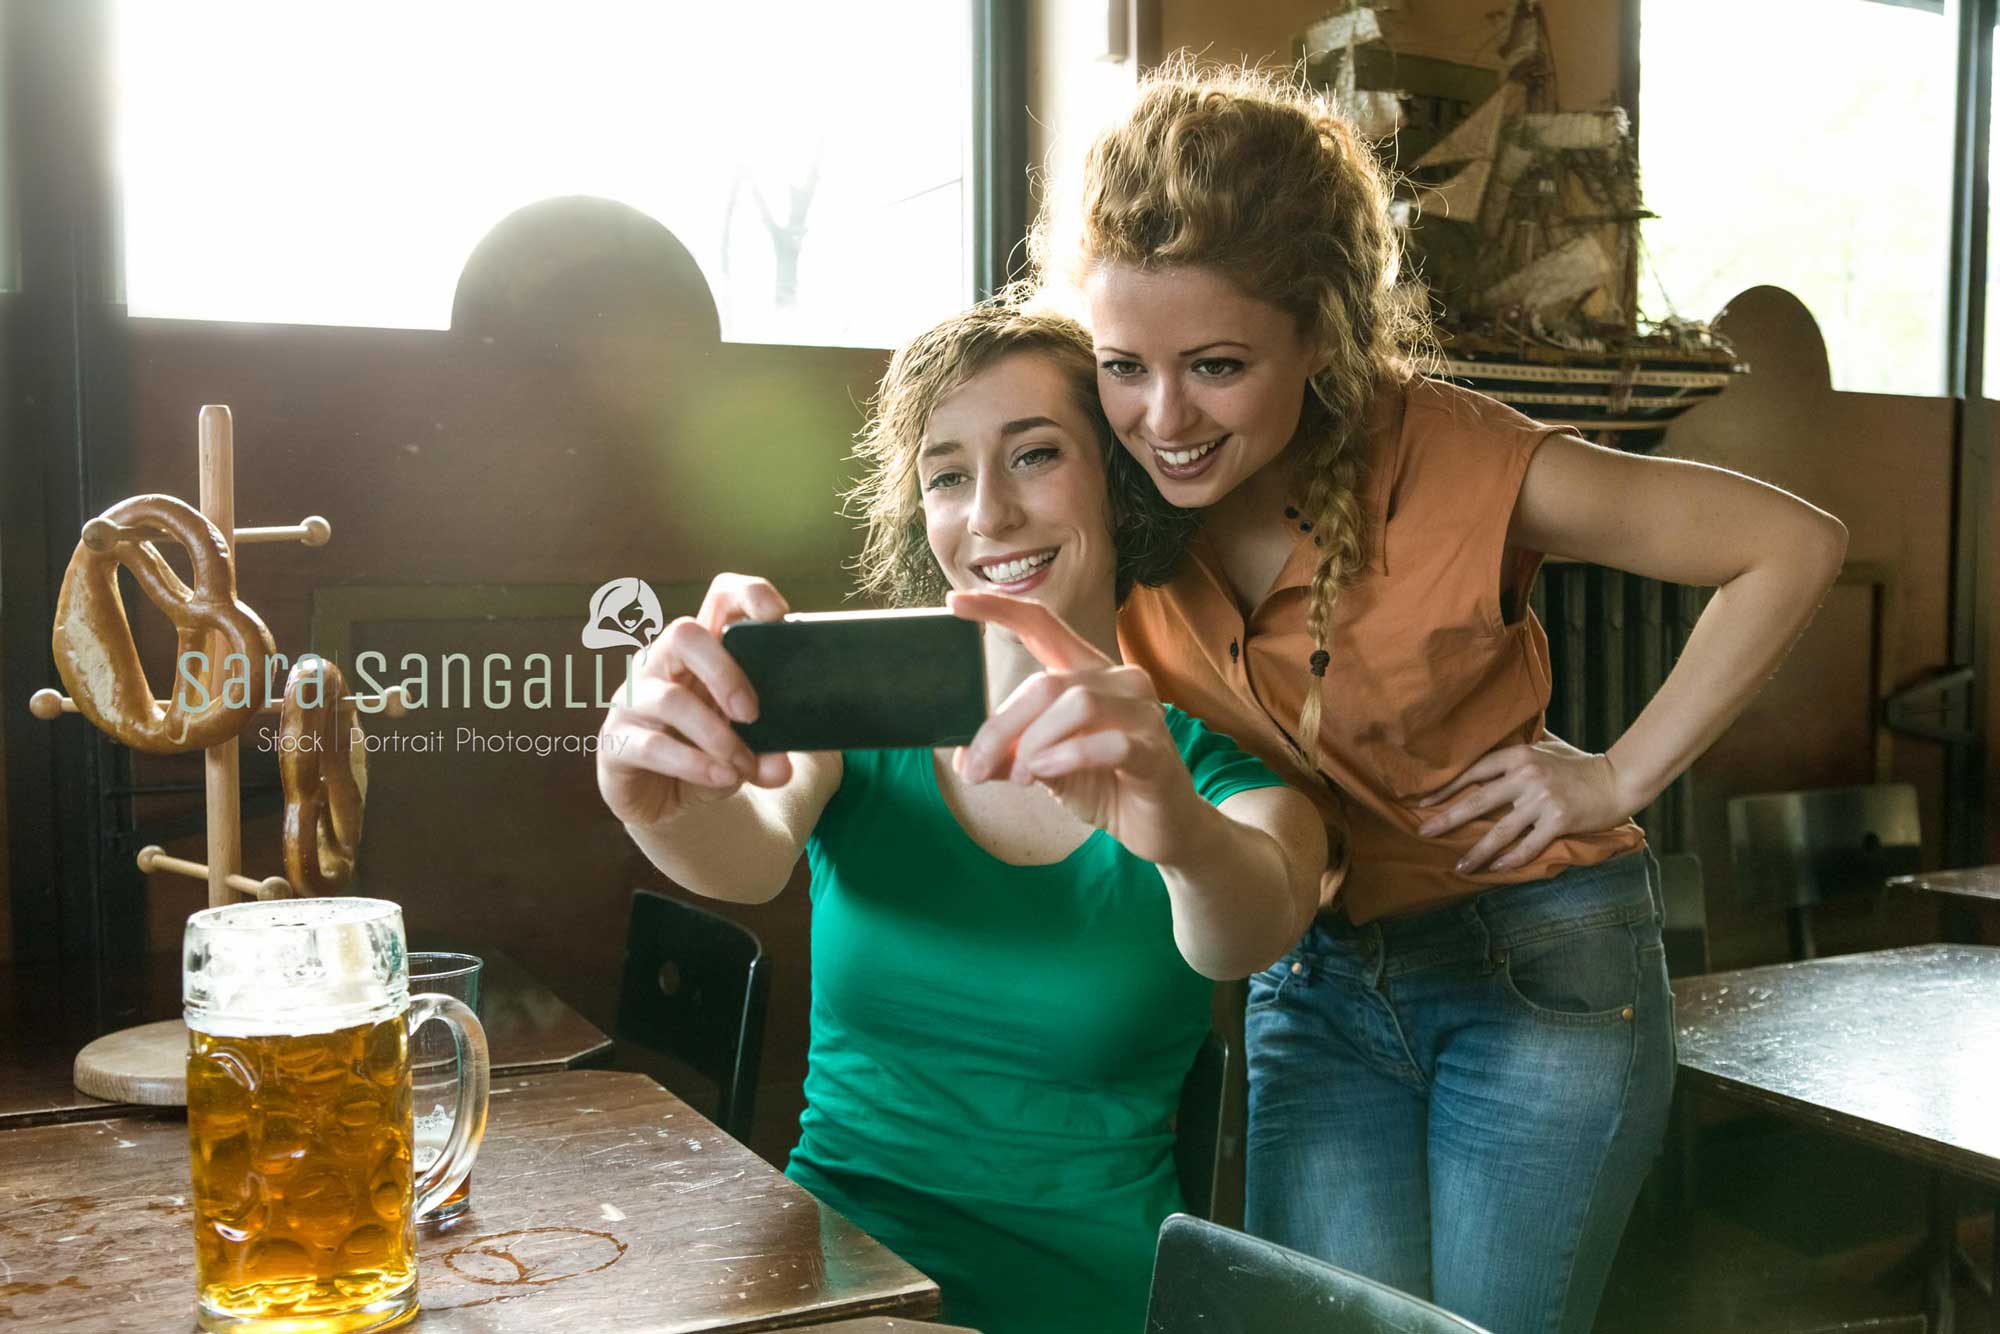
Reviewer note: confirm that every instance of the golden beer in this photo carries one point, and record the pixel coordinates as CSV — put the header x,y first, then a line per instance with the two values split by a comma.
x,y
302,1174
299,1115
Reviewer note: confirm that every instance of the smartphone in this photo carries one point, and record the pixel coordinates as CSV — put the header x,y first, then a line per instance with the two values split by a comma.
x,y
861,680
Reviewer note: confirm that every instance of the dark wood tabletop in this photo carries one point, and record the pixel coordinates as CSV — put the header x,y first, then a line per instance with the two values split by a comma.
x,y
1974,882
600,1202
529,1030
1897,1048
884,1325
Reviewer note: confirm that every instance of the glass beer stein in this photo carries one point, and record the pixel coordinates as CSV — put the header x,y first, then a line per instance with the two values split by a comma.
x,y
298,1083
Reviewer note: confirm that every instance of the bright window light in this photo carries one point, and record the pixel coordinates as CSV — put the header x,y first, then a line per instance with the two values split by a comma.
x,y
336,161
1805,144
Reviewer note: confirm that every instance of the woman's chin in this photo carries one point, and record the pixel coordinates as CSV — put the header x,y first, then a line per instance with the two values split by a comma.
x,y
1193,493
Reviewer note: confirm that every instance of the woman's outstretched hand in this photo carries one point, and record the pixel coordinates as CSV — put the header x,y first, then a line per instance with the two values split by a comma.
x,y
1543,791
671,746
1086,728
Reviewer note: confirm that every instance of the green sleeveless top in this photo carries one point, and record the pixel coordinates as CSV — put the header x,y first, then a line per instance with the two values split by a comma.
x,y
997,1051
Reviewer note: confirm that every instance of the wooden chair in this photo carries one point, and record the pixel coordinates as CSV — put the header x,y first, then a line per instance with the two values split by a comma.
x,y
1198,1127
695,987
1209,1279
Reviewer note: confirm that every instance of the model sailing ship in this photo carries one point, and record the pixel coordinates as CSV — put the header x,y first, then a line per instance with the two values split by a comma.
x,y
1523,220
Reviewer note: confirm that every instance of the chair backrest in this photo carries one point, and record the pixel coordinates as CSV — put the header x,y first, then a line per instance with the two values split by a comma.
x,y
1198,1126
695,986
1209,1279
1794,849
1685,930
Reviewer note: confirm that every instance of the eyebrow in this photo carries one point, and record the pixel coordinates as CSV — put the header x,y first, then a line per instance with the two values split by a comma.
x,y
1185,352
1015,427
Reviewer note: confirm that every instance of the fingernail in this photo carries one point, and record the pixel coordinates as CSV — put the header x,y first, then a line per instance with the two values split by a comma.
x,y
1463,866
721,776
742,708
1427,828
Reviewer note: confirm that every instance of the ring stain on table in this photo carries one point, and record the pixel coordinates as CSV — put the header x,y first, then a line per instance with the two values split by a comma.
x,y
552,1255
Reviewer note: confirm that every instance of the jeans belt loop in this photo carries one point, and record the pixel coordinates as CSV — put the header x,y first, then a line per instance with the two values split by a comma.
x,y
1495,958
1378,948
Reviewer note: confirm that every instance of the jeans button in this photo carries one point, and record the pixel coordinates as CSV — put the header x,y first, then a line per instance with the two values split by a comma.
x,y
1297,968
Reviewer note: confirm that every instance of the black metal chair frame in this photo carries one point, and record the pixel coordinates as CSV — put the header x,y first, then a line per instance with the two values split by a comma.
x,y
695,986
1210,1279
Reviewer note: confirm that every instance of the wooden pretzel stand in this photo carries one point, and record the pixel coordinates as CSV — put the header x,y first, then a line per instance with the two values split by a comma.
x,y
94,650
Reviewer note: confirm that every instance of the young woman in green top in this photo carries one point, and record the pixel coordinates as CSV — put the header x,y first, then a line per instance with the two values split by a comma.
x,y
1013,945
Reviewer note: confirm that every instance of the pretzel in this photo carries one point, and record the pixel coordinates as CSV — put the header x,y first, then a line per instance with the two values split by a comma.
x,y
325,777
94,652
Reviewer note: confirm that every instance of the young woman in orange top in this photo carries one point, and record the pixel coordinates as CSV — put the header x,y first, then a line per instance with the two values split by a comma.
x,y
1460,1075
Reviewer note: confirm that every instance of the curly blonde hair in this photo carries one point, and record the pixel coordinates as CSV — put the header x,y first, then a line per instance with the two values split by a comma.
x,y
896,565
1248,172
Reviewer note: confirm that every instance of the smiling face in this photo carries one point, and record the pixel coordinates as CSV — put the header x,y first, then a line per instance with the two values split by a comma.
x,y
1013,485
1203,384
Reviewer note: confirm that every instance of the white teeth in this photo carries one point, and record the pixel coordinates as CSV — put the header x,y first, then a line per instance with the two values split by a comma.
x,y
1014,571
1180,458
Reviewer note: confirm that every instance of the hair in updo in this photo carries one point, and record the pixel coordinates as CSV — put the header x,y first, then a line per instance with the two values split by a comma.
x,y
896,564
1249,173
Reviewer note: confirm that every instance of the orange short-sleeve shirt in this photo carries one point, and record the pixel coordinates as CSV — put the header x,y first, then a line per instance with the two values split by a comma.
x,y
1436,658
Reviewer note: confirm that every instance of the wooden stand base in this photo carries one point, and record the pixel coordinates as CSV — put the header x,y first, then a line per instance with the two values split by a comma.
x,y
147,1064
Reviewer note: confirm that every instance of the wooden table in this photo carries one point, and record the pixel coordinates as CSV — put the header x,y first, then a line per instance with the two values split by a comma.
x,y
528,1030
1899,1049
600,1202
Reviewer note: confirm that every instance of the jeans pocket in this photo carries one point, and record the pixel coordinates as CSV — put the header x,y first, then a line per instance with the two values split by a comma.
x,y
1268,986
1582,978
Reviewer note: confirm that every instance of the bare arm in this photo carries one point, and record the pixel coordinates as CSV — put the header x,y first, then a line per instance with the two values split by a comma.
x,y
743,847
716,818
1769,555
1245,889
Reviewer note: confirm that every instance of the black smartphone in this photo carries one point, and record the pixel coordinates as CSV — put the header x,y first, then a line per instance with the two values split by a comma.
x,y
861,680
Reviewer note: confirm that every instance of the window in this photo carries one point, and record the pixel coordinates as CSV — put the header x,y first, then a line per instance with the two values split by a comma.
x,y
1805,144
335,161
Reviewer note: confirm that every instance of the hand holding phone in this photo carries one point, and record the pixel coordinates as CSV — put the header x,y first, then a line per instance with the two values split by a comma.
x,y
1091,731
671,745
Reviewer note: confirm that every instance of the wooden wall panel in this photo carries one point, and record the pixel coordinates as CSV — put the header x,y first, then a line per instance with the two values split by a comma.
x,y
1882,464
590,428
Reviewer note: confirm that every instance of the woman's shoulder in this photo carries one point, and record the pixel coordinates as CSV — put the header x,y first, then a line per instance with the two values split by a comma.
x,y
1197,742
1440,414
1219,766
1450,440
1186,729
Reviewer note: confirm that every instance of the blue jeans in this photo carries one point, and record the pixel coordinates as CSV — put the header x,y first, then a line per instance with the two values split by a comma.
x,y
1463,1104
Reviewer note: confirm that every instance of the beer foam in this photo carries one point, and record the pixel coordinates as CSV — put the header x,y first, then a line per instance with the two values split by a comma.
x,y
293,967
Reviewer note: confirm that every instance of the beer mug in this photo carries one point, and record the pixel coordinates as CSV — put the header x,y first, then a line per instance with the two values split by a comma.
x,y
298,1080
